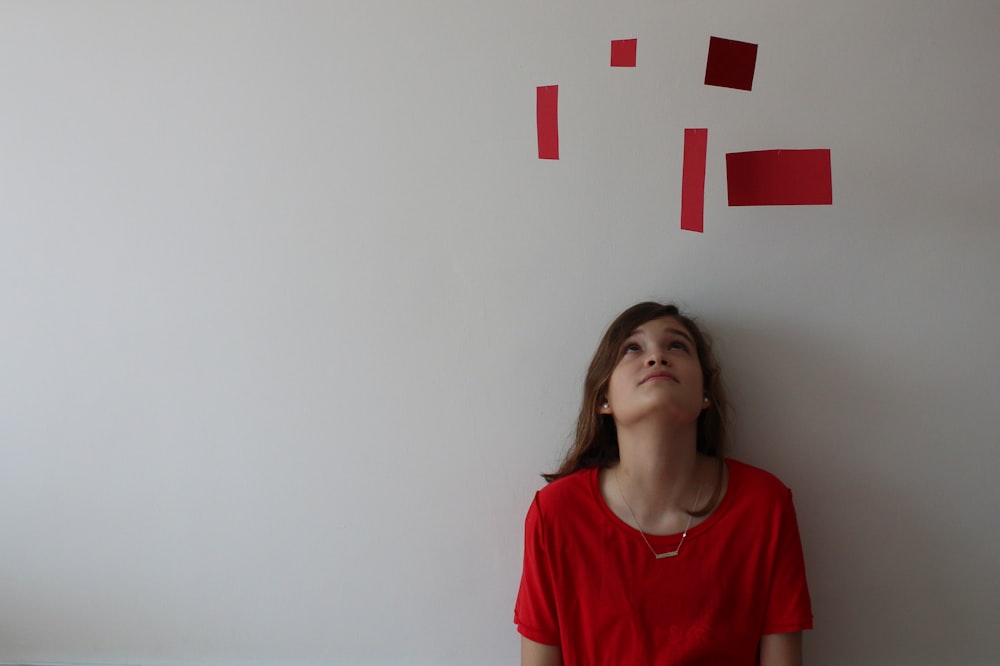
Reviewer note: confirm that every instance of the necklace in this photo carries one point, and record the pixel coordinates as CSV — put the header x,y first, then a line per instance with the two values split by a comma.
x,y
659,556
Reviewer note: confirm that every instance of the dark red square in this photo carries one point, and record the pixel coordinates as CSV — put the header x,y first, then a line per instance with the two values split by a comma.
x,y
623,52
730,63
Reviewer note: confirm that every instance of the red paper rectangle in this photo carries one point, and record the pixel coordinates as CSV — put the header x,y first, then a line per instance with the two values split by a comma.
x,y
730,63
693,180
623,52
779,178
547,112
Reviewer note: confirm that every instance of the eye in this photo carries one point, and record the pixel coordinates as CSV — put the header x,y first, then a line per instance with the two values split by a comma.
x,y
631,347
679,344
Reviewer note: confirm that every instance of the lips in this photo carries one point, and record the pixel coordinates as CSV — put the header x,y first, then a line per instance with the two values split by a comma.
x,y
659,376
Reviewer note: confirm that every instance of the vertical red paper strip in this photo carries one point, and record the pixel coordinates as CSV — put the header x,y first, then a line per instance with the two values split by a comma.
x,y
779,178
547,111
693,184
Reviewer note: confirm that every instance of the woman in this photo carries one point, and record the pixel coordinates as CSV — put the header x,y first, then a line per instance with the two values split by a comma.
x,y
649,547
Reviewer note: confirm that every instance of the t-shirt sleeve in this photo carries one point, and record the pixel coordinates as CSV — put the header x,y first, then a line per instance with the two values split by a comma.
x,y
535,610
788,607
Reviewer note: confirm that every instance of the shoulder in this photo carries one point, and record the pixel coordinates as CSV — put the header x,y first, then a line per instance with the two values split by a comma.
x,y
568,493
568,488
760,502
751,483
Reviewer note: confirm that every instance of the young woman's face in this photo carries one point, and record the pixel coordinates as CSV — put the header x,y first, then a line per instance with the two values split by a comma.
x,y
658,370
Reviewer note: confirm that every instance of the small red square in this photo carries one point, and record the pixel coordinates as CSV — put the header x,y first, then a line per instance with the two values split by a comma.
x,y
730,63
623,52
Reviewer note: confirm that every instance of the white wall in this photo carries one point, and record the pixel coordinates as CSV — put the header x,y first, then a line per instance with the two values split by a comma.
x,y
293,316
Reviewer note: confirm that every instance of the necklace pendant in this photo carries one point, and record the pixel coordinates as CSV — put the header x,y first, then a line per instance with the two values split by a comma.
x,y
661,556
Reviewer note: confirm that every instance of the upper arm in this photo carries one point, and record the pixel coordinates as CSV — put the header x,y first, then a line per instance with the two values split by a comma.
x,y
537,654
781,649
535,609
788,605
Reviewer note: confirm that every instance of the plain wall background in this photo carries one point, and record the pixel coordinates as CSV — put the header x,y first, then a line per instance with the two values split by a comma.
x,y
293,316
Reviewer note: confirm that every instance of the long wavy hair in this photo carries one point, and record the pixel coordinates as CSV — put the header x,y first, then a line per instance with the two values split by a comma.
x,y
596,441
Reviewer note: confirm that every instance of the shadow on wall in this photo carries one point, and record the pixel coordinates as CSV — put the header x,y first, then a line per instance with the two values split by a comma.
x,y
899,571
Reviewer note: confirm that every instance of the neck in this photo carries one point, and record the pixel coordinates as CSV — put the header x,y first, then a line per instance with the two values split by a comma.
x,y
659,467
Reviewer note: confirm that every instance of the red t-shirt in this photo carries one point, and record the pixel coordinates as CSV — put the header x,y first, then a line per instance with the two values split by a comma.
x,y
591,585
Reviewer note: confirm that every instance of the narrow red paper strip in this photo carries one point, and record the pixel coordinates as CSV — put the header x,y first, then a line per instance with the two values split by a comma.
x,y
779,178
547,110
693,183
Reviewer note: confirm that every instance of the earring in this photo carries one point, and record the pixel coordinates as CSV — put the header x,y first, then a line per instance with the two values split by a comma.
x,y
605,404
705,400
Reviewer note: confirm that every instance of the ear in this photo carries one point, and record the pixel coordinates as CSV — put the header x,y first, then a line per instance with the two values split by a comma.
x,y
603,407
706,402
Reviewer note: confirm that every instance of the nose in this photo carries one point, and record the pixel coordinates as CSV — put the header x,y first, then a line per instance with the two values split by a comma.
x,y
656,356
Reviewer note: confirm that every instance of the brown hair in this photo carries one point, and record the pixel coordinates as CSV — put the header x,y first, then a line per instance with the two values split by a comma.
x,y
596,442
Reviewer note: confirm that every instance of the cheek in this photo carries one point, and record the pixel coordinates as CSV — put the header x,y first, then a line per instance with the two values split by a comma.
x,y
614,384
611,389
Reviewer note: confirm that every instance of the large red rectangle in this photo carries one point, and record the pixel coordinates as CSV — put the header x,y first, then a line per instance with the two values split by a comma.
x,y
693,180
547,111
779,178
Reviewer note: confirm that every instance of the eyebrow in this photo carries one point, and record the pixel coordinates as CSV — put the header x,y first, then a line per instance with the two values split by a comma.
x,y
670,329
